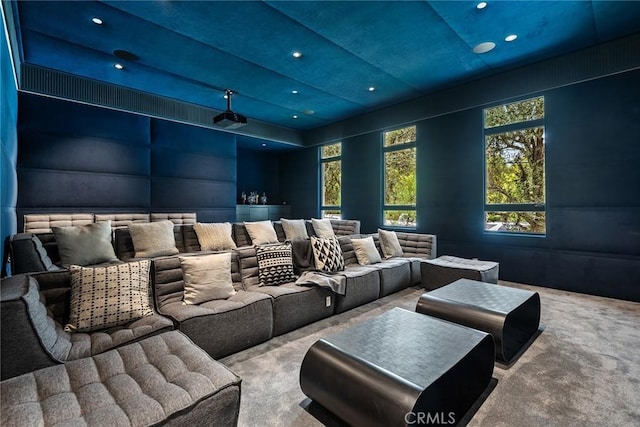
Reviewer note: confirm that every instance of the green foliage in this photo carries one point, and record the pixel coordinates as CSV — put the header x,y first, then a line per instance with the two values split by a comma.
x,y
519,222
517,112
400,136
331,214
331,150
404,218
400,177
331,183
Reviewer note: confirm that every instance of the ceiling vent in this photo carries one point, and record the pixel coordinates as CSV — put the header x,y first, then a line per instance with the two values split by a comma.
x,y
229,119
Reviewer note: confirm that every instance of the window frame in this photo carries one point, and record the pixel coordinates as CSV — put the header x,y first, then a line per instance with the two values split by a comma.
x,y
513,207
393,148
321,162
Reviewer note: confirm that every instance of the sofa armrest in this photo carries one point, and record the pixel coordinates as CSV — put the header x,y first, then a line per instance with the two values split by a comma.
x,y
28,333
29,255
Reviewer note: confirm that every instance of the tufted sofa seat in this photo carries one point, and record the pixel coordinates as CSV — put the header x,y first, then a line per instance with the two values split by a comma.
x,y
164,379
221,327
31,338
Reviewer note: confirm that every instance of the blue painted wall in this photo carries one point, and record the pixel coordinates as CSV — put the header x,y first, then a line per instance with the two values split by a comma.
x,y
73,157
259,170
593,188
8,143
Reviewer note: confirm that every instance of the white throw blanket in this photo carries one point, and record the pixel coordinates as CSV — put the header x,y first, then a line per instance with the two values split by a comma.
x,y
334,281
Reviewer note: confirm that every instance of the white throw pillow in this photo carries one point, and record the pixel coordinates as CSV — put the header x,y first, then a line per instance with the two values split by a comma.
x,y
389,243
294,229
214,236
102,297
261,232
322,227
153,239
207,277
366,251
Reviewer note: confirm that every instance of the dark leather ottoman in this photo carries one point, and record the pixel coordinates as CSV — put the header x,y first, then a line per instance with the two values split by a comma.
x,y
511,316
398,368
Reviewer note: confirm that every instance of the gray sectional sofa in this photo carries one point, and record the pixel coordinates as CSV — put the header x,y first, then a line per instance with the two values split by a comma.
x,y
36,305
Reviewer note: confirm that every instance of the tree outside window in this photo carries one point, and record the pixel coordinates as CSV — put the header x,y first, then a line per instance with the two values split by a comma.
x,y
331,180
514,167
399,204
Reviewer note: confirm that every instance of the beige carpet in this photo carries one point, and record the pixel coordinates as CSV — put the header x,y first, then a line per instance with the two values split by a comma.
x,y
583,370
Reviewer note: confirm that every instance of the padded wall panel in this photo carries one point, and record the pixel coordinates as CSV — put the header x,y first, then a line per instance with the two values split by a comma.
x,y
69,189
197,194
55,116
193,168
79,153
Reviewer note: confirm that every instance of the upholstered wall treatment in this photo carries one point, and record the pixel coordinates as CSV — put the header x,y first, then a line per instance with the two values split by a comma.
x,y
8,143
593,203
74,157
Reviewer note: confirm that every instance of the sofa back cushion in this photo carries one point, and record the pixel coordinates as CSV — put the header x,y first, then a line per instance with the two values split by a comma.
x,y
348,253
43,223
167,278
28,254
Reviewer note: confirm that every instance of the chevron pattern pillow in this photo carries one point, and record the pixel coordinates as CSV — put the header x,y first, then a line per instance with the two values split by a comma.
x,y
275,264
327,253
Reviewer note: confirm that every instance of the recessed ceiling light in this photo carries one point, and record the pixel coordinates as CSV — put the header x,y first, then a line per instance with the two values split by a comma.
x,y
264,145
295,92
484,47
297,54
97,20
294,117
510,37
119,66
371,88
481,5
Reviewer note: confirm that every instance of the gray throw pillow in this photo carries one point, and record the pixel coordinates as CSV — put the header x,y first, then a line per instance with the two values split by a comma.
x,y
153,239
294,229
85,244
389,243
366,251
322,227
207,277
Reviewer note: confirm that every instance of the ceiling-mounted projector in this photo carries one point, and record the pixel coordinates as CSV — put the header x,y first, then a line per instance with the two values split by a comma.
x,y
229,119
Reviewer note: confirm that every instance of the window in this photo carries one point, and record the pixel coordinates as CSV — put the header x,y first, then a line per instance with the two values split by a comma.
x,y
330,180
399,152
514,167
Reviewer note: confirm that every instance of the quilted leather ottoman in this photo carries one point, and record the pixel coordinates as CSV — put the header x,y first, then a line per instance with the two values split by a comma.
x,y
447,269
397,368
511,316
164,379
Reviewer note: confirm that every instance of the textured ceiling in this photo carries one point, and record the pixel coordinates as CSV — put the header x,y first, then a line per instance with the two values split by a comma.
x,y
190,50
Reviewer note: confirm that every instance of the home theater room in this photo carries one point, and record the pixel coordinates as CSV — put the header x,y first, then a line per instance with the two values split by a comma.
x,y
320,213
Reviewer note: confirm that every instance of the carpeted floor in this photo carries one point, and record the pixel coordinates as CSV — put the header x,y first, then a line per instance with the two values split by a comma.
x,y
583,370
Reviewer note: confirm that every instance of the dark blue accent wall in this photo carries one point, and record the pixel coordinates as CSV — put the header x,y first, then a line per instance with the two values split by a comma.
x,y
260,171
593,188
299,182
8,144
73,157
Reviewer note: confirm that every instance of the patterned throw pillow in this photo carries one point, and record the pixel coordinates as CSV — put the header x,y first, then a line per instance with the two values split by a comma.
x,y
102,297
327,254
275,264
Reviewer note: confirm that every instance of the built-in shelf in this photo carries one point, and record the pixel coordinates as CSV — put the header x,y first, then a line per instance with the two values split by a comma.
x,y
262,212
